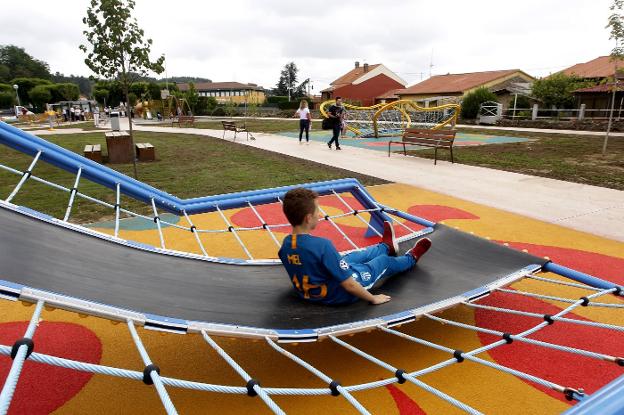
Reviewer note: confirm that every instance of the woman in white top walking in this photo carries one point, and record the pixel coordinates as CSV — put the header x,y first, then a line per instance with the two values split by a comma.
x,y
305,120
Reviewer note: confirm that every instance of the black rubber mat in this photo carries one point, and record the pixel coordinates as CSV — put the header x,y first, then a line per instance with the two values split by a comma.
x,y
44,256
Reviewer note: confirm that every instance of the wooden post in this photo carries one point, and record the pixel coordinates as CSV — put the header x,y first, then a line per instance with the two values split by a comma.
x,y
534,114
581,114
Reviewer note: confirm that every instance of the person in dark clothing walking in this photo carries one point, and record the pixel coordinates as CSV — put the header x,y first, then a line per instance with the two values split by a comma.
x,y
336,114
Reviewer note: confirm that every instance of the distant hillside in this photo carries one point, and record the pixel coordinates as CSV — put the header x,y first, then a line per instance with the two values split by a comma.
x,y
185,79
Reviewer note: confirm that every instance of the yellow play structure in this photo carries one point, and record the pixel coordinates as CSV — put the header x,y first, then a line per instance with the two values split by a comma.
x,y
390,119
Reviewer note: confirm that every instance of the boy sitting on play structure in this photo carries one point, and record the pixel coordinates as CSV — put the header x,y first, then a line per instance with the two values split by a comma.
x,y
320,274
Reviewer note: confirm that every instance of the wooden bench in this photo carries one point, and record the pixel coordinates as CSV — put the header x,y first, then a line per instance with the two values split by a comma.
x,y
232,126
93,152
145,152
427,138
183,119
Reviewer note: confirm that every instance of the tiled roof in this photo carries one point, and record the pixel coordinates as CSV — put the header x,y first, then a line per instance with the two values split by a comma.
x,y
601,88
215,86
353,75
600,67
456,83
390,94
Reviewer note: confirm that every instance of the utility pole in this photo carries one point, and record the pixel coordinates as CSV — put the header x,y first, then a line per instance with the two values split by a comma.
x,y
288,86
431,63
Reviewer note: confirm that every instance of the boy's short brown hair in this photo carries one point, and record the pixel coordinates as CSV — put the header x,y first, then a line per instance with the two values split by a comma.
x,y
298,203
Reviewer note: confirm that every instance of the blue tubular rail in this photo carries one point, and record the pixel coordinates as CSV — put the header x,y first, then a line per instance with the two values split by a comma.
x,y
580,277
69,161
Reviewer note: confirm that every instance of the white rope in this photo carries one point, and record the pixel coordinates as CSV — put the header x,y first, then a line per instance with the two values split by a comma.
x,y
563,300
570,284
10,383
344,202
261,393
358,406
231,229
469,356
264,224
194,230
160,388
411,379
344,235
157,220
25,177
541,316
567,349
72,195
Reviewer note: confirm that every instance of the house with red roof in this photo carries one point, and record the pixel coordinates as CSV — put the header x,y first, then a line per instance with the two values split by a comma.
x,y
363,84
443,88
599,97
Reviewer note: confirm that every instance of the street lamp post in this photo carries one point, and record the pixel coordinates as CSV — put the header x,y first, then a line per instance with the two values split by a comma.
x,y
16,87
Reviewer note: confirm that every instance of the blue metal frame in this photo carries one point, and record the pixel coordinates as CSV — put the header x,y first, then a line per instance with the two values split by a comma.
x,y
608,400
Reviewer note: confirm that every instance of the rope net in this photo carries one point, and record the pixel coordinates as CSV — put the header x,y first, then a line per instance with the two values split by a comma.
x,y
394,118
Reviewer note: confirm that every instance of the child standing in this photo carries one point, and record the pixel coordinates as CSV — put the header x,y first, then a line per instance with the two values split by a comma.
x,y
305,119
320,274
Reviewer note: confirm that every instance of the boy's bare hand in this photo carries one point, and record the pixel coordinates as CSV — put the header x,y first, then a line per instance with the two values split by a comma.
x,y
380,299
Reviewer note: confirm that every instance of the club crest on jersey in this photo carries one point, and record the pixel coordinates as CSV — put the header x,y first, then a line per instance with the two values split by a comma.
x,y
343,264
365,276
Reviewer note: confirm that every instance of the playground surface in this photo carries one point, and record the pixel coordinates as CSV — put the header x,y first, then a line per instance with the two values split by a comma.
x,y
381,143
92,339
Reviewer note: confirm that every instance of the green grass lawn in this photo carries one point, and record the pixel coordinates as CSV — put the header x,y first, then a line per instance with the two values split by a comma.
x,y
186,166
565,157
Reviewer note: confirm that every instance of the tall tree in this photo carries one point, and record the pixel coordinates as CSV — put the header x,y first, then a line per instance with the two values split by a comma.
x,y
287,80
616,24
118,47
16,63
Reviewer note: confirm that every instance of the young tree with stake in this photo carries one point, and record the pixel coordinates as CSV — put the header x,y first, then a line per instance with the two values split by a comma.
x,y
118,49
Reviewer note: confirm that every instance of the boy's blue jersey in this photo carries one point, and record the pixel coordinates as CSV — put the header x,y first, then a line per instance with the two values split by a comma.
x,y
316,269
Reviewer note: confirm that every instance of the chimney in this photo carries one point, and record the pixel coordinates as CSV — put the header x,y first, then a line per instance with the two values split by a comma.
x,y
357,64
366,67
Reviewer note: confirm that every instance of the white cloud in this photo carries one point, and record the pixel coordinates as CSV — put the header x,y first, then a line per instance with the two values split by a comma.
x,y
250,41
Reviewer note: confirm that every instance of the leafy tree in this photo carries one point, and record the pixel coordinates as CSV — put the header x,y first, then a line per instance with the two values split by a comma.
x,y
5,73
7,99
192,97
118,47
84,84
523,102
39,96
616,24
472,102
25,85
205,105
100,95
6,88
20,64
65,92
287,80
558,89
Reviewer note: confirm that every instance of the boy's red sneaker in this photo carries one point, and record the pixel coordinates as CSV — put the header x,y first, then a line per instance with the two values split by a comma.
x,y
389,239
420,248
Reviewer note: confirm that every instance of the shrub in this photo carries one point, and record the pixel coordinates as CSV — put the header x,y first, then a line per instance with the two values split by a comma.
x,y
218,112
6,88
276,99
288,105
471,103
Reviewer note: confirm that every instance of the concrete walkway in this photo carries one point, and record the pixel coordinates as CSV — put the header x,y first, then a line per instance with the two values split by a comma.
x,y
591,209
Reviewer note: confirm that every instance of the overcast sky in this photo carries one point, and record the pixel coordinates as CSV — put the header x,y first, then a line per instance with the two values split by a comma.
x,y
251,40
